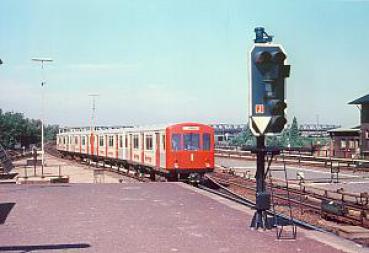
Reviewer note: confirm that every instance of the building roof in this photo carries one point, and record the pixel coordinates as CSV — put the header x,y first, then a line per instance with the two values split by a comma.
x,y
360,101
347,130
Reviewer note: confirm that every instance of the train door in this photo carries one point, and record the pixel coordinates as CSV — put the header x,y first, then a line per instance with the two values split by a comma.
x,y
142,148
157,150
130,147
87,145
92,143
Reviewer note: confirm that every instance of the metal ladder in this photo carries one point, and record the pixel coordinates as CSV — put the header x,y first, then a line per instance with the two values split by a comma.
x,y
6,163
279,221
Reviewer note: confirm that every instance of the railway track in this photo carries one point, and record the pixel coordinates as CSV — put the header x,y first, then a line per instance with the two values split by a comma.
x,y
301,158
312,207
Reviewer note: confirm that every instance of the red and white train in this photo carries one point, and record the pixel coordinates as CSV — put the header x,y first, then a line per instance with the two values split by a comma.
x,y
176,150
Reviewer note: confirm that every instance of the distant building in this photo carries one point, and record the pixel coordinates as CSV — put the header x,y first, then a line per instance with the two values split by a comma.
x,y
345,142
223,133
363,104
316,130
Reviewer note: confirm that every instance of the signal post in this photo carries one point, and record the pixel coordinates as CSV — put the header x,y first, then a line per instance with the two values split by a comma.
x,y
267,74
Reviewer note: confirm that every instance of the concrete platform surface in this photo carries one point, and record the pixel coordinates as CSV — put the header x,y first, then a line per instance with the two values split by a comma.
x,y
152,217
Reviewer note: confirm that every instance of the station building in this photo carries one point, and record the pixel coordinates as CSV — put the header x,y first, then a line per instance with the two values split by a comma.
x,y
353,142
363,105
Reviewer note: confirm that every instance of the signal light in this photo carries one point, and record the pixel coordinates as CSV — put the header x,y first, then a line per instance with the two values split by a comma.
x,y
268,73
278,57
263,57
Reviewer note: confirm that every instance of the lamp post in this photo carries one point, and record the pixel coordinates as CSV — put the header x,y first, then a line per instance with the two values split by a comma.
x,y
43,82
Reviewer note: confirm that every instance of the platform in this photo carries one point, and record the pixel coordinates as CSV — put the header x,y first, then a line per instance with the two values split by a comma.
x,y
145,217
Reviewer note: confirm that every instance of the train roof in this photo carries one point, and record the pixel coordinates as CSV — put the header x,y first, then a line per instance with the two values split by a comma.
x,y
128,129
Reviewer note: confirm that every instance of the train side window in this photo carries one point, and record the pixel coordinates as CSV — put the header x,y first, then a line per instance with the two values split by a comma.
x,y
83,140
148,142
126,141
206,142
76,140
176,142
111,140
101,140
135,141
120,141
163,141
191,141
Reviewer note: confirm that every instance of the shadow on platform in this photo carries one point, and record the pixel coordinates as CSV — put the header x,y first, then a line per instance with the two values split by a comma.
x,y
5,209
30,248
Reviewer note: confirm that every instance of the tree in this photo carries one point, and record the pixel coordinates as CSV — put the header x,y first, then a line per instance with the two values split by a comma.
x,y
244,138
16,129
295,139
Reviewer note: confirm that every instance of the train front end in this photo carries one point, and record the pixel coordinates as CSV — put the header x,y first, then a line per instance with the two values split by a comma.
x,y
190,149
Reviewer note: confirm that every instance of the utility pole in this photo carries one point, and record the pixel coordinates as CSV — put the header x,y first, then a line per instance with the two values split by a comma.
x,y
43,82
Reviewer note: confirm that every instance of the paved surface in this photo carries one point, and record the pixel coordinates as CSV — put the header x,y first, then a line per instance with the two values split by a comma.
x,y
151,217
78,173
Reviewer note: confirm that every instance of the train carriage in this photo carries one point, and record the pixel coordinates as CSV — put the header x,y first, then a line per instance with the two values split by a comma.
x,y
174,149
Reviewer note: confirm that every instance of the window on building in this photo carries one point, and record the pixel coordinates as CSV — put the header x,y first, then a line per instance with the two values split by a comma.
x,y
191,141
101,140
176,142
206,141
135,141
351,144
126,141
111,140
83,140
343,143
148,142
163,141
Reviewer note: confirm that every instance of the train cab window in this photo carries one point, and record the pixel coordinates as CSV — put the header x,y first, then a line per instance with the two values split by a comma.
x,y
191,141
206,142
101,140
176,142
148,142
135,141
163,141
111,140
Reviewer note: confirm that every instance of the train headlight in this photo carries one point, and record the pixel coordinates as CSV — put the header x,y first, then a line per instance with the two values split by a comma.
x,y
176,165
207,165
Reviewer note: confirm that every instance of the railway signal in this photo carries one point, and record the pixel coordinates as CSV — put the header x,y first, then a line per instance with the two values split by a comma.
x,y
267,75
267,85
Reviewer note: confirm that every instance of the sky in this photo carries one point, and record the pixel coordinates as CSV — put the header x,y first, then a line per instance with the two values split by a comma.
x,y
174,61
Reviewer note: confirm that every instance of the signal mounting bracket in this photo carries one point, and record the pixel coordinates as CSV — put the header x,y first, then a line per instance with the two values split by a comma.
x,y
262,36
